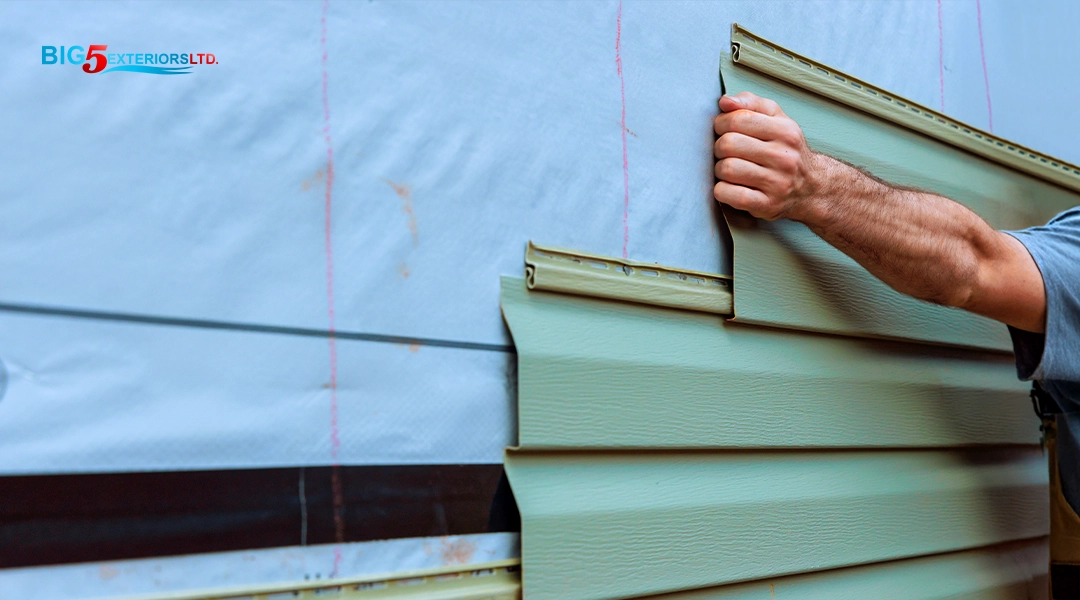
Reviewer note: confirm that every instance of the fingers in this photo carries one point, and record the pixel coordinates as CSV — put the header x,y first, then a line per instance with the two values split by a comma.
x,y
761,157
743,198
782,159
744,173
736,145
753,124
748,101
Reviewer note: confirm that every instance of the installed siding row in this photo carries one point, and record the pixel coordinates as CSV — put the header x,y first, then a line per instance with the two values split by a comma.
x,y
656,457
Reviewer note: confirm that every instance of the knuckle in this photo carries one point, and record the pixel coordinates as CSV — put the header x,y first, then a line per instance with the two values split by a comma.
x,y
740,119
726,144
722,169
769,208
787,160
782,187
723,123
727,194
792,134
726,169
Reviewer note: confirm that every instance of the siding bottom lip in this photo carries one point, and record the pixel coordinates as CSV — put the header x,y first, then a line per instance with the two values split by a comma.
x,y
1007,565
970,451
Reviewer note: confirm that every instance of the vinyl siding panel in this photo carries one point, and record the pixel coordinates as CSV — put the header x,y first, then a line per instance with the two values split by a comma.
x,y
785,276
627,524
596,374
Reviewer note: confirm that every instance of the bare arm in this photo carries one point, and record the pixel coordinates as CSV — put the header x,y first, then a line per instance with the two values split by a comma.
x,y
918,243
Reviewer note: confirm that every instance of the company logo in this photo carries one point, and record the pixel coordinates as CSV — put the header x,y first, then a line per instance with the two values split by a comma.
x,y
98,60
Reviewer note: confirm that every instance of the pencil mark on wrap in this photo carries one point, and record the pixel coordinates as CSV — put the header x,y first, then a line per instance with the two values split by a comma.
x,y
337,561
328,213
986,76
404,192
3,379
328,239
625,163
941,54
313,181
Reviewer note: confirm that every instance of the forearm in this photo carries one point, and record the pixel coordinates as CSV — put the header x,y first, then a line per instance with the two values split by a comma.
x,y
918,243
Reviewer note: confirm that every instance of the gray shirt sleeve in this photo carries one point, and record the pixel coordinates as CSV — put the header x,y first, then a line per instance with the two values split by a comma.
x,y
1054,355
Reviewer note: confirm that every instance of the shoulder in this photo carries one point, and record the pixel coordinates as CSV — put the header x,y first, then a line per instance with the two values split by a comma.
x,y
1067,219
1056,250
1057,241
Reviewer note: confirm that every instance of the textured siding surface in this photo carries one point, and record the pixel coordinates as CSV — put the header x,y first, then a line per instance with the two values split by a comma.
x,y
665,451
596,374
785,276
627,524
1015,570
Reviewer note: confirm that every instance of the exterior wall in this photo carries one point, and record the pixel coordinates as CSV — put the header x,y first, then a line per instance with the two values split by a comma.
x,y
291,258
665,450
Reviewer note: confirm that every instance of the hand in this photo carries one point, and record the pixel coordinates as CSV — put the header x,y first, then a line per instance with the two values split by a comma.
x,y
763,163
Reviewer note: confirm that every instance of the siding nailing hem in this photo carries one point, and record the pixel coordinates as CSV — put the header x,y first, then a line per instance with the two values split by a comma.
x,y
579,273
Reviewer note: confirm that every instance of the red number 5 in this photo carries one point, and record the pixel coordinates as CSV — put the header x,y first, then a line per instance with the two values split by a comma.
x,y
100,60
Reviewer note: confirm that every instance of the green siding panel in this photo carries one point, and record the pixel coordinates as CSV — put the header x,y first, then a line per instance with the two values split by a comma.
x,y
1015,571
602,374
785,276
613,525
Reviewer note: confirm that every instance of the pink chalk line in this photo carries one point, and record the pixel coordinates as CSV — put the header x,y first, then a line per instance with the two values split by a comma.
x,y
941,54
986,77
625,164
328,213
